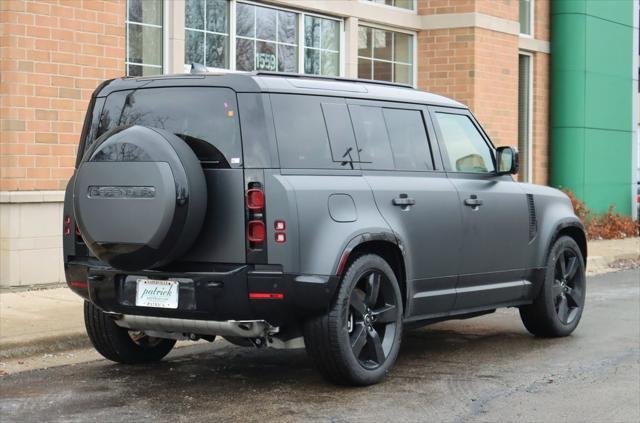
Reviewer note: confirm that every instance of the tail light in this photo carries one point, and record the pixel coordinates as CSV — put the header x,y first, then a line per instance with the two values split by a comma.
x,y
67,225
256,231
255,203
255,199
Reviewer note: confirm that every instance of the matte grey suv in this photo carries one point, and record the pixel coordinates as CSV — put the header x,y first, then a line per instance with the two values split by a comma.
x,y
288,211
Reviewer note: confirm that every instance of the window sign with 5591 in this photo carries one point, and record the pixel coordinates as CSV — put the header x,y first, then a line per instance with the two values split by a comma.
x,y
266,61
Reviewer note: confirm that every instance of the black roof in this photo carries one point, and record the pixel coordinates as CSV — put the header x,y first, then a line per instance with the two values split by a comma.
x,y
284,83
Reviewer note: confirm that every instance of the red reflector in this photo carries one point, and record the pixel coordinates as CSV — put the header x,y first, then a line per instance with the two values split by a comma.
x,y
265,296
255,199
256,231
279,225
281,238
67,220
78,231
67,230
79,284
343,261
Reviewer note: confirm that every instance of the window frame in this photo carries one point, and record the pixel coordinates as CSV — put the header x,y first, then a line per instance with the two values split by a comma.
x,y
414,49
443,150
432,145
528,176
165,39
414,10
300,39
205,32
532,11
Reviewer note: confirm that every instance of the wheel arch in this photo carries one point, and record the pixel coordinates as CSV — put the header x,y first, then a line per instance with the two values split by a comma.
x,y
382,244
573,229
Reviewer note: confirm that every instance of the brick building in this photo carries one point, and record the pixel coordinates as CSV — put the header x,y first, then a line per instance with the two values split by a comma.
x,y
493,55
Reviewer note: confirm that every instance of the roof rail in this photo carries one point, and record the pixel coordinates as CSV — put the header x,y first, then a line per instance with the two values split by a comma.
x,y
332,78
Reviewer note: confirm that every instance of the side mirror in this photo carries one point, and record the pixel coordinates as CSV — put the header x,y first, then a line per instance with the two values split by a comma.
x,y
508,160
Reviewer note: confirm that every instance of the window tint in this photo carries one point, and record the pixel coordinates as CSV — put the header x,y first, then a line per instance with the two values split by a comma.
x,y
408,139
302,137
343,143
203,117
372,138
465,147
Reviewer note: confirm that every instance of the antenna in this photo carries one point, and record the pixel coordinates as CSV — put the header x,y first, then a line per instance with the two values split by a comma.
x,y
198,68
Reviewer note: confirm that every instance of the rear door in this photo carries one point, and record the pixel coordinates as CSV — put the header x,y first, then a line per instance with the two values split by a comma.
x,y
414,196
494,211
206,118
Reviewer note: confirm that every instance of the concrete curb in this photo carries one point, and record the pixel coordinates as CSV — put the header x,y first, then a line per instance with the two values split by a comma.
x,y
45,345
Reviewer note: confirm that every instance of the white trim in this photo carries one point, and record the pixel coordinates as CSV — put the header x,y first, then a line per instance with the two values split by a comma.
x,y
635,120
531,44
13,197
530,155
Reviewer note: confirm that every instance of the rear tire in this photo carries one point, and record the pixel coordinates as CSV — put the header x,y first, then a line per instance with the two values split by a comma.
x,y
120,344
357,341
557,310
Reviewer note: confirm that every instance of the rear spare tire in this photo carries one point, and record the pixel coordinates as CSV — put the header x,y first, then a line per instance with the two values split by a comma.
x,y
139,197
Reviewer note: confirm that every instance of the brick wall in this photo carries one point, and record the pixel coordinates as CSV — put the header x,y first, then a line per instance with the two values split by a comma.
x,y
446,63
53,53
541,118
506,9
477,67
496,85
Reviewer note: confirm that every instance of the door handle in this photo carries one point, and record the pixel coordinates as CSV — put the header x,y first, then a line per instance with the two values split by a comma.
x,y
403,200
473,201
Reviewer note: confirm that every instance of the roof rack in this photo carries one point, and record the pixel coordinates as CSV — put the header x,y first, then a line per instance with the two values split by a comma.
x,y
332,78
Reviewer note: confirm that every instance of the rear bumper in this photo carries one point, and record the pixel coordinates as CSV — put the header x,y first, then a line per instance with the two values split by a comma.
x,y
220,295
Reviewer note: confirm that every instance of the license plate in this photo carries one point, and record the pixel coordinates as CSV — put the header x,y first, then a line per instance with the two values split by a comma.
x,y
156,293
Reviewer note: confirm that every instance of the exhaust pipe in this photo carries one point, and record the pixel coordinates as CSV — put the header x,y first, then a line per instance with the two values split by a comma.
x,y
239,328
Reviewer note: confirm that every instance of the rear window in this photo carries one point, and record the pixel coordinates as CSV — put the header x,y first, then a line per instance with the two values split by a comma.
x,y
205,118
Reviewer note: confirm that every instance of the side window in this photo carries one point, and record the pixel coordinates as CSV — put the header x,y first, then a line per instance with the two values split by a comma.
x,y
408,139
343,143
464,145
301,133
372,137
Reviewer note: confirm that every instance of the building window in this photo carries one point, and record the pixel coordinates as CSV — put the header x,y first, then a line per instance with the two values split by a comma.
x,y
144,37
524,115
266,39
207,33
404,4
321,46
385,55
526,17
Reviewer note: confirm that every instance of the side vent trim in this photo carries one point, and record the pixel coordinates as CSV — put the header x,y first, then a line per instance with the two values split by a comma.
x,y
533,220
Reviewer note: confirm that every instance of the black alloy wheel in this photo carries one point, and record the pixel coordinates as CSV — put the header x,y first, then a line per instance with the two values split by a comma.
x,y
557,309
371,323
567,287
357,340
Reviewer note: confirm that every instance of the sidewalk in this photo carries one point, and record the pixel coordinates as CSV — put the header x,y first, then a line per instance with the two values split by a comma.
x,y
51,320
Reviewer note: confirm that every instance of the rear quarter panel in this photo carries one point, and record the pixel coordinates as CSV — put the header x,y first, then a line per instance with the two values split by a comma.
x,y
317,237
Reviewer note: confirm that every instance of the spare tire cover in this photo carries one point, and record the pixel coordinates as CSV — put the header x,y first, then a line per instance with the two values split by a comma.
x,y
139,197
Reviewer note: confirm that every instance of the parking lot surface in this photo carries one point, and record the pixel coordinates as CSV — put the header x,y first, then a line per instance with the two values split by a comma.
x,y
483,369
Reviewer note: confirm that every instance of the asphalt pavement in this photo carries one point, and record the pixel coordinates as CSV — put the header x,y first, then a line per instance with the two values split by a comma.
x,y
483,369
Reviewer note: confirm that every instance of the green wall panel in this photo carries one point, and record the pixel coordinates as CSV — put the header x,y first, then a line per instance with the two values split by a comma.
x,y
607,102
568,143
570,97
567,29
591,100
609,47
619,11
